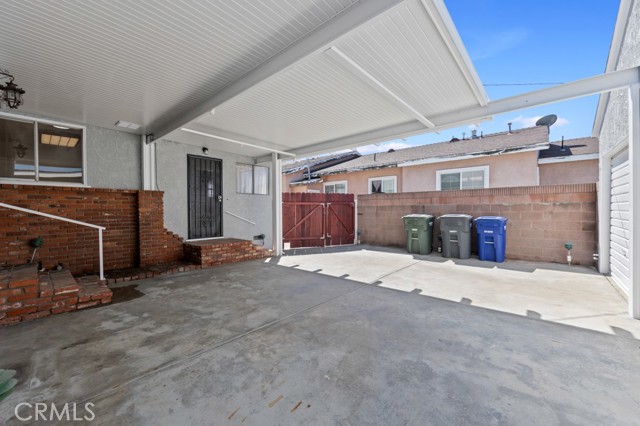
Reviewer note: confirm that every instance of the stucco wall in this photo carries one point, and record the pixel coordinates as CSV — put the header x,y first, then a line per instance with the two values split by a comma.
x,y
569,172
113,159
615,127
504,171
172,179
358,182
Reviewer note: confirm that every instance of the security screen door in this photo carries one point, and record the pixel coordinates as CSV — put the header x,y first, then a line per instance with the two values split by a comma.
x,y
205,197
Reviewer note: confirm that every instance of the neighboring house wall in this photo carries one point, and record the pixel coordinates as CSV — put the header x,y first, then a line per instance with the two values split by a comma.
x,y
569,172
541,218
504,171
358,182
172,179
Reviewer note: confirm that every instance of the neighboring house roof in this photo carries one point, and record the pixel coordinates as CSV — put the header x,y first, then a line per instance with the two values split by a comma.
x,y
572,147
319,163
495,143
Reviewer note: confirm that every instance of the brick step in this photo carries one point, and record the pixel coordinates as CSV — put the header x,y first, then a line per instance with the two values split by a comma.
x,y
93,292
26,295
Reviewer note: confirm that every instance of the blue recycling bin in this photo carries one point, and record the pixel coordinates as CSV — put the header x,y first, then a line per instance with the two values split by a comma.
x,y
492,237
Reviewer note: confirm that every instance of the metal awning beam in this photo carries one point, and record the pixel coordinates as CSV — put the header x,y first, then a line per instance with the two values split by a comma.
x,y
589,86
363,75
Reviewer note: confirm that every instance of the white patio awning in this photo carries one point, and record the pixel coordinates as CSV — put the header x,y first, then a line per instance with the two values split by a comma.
x,y
295,77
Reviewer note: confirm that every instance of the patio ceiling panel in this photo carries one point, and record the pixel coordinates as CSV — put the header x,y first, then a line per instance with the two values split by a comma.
x,y
306,104
406,63
97,62
407,52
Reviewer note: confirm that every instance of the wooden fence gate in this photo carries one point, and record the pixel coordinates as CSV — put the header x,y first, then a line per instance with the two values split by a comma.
x,y
318,220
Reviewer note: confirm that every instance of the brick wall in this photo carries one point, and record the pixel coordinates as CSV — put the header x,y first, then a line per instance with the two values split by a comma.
x,y
541,218
77,246
157,245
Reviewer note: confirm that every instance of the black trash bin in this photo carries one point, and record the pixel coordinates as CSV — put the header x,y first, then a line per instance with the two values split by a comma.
x,y
455,230
419,229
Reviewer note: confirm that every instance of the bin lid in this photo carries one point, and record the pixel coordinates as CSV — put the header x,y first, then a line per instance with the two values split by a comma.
x,y
500,219
420,216
465,216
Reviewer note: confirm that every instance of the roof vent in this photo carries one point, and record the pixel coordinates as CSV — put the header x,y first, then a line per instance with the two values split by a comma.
x,y
392,150
474,134
562,145
454,139
509,124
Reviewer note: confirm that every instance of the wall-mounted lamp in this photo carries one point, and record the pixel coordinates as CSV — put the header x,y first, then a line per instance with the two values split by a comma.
x,y
205,150
10,93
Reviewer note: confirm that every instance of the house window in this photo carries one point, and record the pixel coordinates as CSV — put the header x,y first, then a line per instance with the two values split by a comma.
x,y
252,179
41,151
338,187
386,185
467,178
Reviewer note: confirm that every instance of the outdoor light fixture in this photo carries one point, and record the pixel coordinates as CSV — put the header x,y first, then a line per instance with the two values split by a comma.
x,y
205,150
21,150
11,93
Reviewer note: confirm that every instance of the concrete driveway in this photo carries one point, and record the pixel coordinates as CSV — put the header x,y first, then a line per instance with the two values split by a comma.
x,y
260,343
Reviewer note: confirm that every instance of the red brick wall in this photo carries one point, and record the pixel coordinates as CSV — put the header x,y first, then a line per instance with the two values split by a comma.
x,y
74,245
541,218
157,245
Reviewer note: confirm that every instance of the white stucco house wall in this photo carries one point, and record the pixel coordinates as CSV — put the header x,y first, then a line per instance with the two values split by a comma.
x,y
616,126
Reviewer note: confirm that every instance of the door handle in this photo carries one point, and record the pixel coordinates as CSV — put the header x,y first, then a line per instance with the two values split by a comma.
x,y
219,198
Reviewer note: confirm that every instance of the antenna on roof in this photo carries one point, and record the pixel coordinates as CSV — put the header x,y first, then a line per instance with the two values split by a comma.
x,y
547,120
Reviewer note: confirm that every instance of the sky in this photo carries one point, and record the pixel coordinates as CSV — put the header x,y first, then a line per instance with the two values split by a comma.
x,y
543,41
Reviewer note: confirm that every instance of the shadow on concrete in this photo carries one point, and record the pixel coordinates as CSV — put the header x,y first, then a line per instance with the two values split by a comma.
x,y
511,265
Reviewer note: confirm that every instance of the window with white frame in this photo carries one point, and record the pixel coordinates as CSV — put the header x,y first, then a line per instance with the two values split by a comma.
x,y
251,179
41,151
383,185
337,187
466,178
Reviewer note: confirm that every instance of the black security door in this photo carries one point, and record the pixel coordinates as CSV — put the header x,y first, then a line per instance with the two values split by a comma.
x,y
205,197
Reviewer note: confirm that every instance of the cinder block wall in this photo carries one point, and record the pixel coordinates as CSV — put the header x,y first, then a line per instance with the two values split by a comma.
x,y
135,233
541,218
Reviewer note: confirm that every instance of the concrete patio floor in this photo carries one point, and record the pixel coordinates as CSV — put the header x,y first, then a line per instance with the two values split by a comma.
x,y
572,295
261,343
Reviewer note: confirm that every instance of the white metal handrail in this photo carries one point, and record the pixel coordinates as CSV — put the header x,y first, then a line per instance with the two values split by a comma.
x,y
64,219
239,217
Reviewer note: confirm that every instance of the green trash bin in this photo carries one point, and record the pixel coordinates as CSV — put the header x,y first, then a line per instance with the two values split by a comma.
x,y
419,229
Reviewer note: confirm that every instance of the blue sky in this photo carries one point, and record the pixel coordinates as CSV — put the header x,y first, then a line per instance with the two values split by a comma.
x,y
515,41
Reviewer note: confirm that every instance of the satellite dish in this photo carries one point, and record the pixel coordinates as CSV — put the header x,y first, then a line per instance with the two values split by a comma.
x,y
547,120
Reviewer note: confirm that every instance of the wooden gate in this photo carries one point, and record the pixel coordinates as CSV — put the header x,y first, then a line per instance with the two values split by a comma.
x,y
318,220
